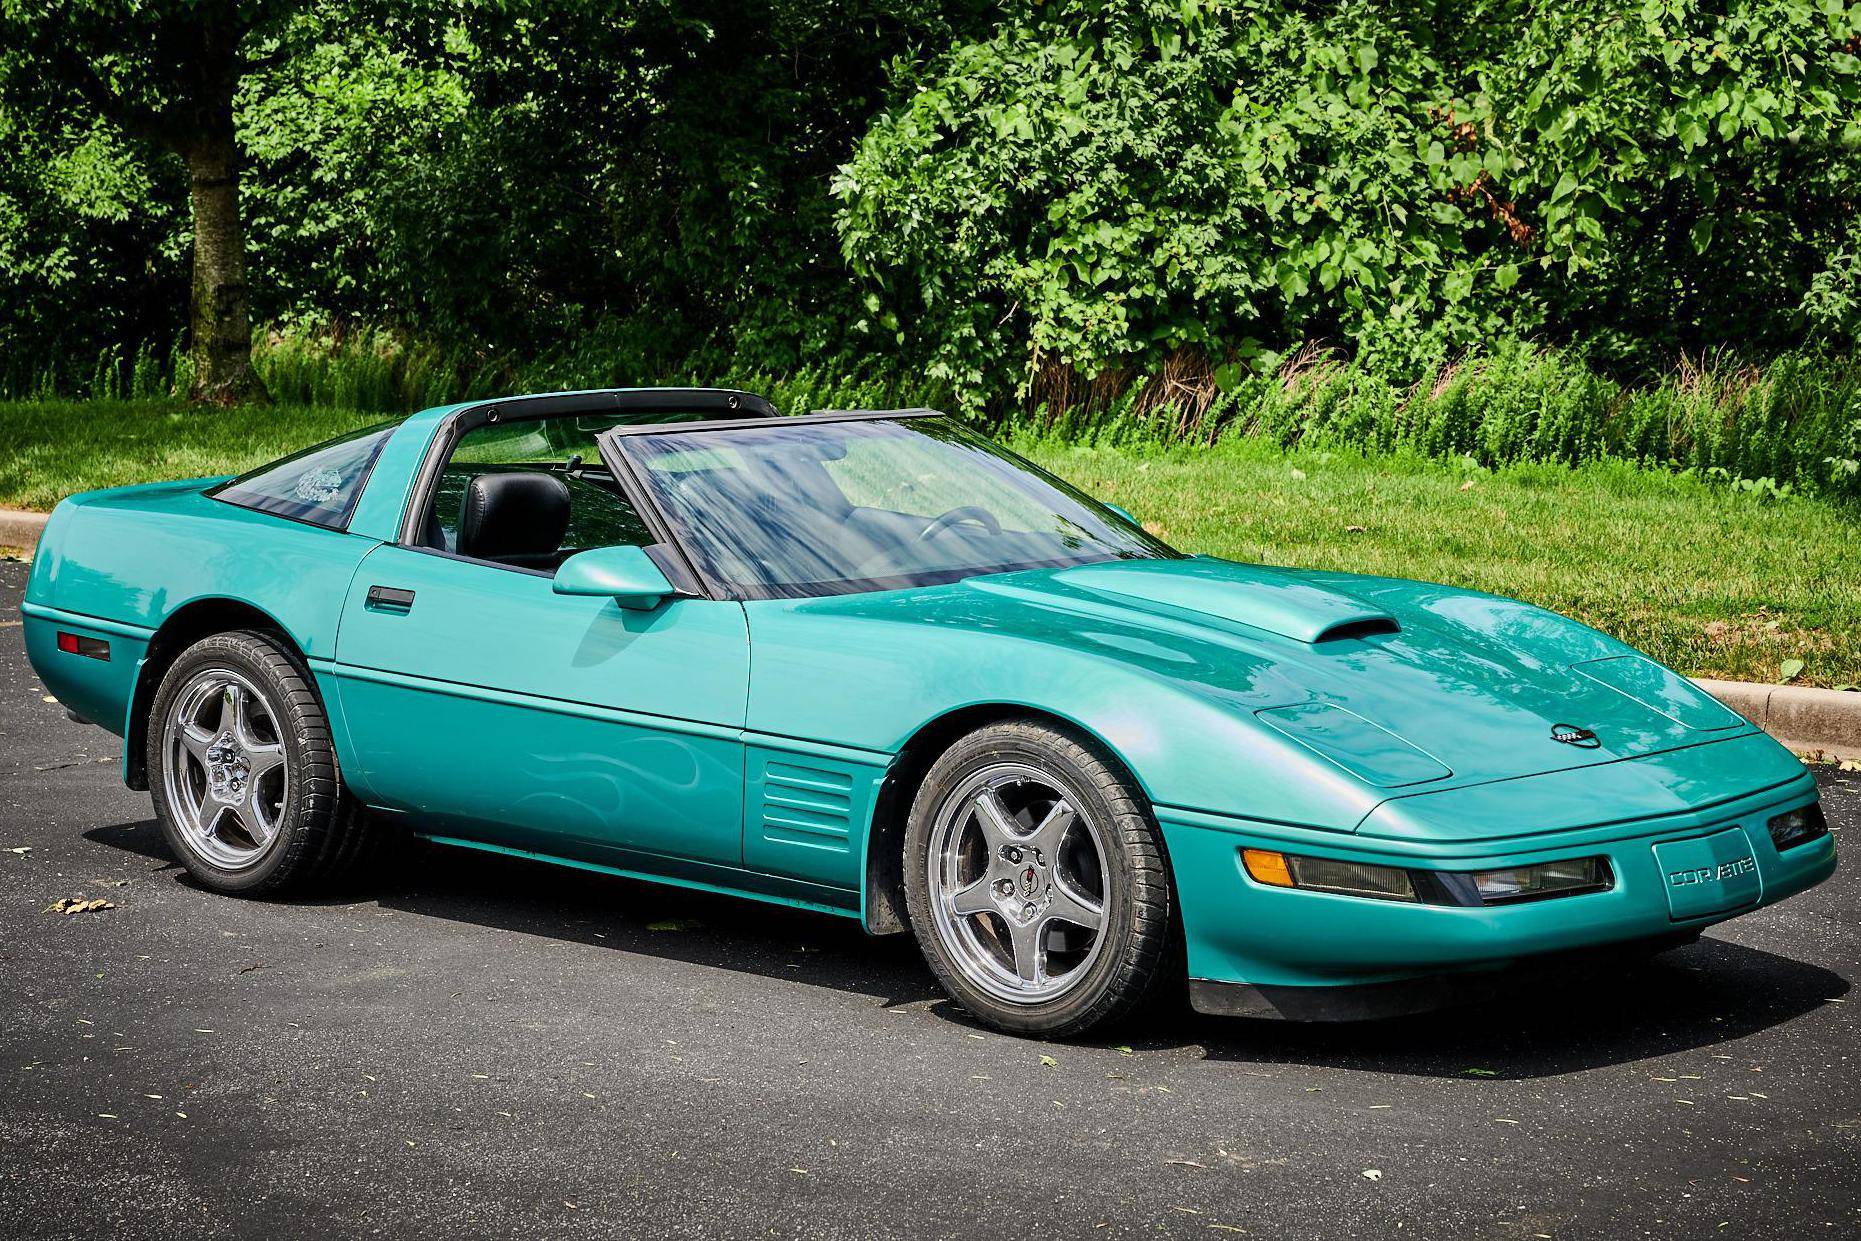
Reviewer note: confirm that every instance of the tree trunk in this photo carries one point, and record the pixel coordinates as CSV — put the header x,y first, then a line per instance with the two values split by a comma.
x,y
220,318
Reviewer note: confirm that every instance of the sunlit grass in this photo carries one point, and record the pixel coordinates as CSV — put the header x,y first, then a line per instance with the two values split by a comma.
x,y
48,450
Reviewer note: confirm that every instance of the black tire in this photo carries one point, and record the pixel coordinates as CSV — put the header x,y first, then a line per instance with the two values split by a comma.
x,y
1135,962
321,832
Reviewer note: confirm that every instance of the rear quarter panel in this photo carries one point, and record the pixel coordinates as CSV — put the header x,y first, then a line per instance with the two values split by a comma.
x,y
120,564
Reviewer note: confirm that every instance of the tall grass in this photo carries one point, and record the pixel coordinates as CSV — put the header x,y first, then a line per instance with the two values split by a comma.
x,y
1793,424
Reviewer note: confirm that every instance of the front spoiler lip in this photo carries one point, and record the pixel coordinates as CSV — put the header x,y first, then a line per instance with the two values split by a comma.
x,y
1378,1001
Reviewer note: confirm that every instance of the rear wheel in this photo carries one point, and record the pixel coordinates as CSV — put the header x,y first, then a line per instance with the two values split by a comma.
x,y
242,771
1036,882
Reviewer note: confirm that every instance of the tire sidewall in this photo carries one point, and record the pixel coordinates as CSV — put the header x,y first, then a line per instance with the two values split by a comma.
x,y
1094,996
241,653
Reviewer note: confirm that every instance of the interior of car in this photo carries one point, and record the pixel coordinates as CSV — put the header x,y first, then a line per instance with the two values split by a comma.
x,y
530,494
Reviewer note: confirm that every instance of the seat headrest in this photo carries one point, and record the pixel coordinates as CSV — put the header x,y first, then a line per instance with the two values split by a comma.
x,y
513,517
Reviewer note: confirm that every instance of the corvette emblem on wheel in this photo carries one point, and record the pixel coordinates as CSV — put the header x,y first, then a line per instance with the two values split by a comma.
x,y
1028,883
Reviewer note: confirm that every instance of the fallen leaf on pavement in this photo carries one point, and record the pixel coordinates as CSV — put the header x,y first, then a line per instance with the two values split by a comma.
x,y
675,924
77,905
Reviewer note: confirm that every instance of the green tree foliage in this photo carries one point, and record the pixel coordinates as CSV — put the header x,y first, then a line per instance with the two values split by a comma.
x,y
1097,184
165,73
92,245
1084,201
652,175
578,180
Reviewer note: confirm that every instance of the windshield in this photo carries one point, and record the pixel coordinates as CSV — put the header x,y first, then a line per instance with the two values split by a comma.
x,y
796,509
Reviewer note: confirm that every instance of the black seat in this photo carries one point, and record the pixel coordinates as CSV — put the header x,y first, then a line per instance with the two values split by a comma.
x,y
515,519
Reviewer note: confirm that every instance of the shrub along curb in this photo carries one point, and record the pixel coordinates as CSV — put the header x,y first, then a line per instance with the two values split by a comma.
x,y
1802,718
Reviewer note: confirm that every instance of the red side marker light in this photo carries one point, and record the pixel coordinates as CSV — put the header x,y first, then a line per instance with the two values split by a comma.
x,y
77,644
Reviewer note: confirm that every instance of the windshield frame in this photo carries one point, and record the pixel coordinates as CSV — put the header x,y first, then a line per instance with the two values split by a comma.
x,y
632,476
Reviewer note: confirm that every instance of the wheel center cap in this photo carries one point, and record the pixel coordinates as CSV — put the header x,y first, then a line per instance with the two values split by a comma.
x,y
1025,883
228,769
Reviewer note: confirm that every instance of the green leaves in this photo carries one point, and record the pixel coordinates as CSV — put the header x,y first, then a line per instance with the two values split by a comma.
x,y
1331,171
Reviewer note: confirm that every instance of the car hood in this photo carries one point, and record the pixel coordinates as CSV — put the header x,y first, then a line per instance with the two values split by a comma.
x,y
1405,685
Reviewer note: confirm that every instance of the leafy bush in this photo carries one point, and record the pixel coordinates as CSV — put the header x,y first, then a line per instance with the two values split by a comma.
x,y
1102,183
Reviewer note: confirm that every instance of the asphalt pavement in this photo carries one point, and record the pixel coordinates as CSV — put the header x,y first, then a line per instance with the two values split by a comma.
x,y
468,1046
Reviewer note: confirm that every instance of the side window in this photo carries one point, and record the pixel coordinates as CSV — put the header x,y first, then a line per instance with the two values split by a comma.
x,y
319,485
532,530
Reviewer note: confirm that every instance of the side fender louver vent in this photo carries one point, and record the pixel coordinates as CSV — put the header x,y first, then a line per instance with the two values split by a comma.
x,y
1362,627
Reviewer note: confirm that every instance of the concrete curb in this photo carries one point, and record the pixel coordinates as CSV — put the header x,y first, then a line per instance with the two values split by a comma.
x,y
19,528
1803,718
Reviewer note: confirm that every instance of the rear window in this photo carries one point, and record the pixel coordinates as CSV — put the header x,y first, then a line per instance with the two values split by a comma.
x,y
319,485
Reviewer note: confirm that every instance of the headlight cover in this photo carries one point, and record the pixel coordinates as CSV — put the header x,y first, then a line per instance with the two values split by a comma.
x,y
1799,826
1469,889
1530,883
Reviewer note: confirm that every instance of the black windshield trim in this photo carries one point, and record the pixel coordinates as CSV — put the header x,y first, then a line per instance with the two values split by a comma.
x,y
799,420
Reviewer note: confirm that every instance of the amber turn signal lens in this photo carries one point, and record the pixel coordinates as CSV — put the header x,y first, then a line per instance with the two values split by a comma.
x,y
1267,867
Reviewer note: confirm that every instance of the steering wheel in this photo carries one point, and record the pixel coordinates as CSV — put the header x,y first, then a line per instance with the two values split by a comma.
x,y
965,514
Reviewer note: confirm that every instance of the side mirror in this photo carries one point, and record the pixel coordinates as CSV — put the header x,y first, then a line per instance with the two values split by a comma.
x,y
1124,513
627,575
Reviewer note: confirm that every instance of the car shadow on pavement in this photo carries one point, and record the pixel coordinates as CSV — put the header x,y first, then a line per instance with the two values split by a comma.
x,y
1687,1000
609,912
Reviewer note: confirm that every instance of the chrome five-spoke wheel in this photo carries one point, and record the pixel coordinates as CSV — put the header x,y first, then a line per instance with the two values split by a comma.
x,y
227,777
1017,883
1035,880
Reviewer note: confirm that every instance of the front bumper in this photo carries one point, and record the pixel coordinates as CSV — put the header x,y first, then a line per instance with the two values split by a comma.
x,y
1273,940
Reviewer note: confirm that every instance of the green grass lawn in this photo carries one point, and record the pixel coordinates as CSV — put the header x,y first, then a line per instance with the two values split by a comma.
x,y
50,449
1713,581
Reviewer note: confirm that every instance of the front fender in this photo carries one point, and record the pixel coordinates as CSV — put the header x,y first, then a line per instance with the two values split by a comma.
x,y
838,674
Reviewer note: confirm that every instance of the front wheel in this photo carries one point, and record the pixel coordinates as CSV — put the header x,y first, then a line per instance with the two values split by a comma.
x,y
242,770
1036,883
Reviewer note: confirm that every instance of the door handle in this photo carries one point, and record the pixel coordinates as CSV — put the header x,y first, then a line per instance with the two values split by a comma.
x,y
390,599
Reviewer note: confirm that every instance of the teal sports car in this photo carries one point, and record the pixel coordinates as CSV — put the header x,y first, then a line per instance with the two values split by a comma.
x,y
870,664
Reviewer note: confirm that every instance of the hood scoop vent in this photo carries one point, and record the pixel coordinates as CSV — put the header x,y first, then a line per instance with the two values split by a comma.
x,y
1263,599
1364,627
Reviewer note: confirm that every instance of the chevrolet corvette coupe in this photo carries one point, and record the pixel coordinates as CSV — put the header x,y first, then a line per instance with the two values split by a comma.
x,y
870,664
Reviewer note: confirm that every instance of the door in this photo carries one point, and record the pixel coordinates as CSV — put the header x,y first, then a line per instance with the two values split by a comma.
x,y
497,710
